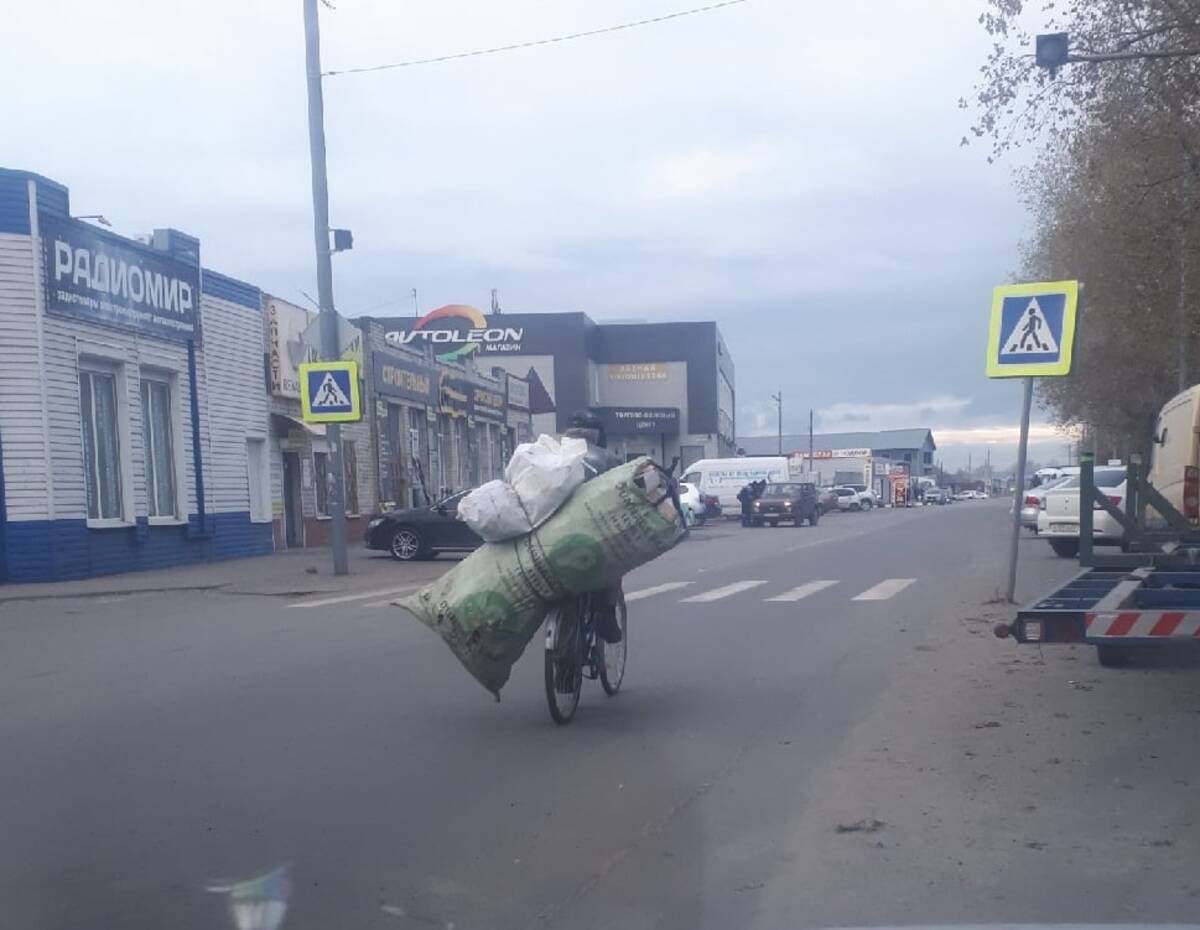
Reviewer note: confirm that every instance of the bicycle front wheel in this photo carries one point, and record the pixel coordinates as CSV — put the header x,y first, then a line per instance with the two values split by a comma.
x,y
564,666
612,655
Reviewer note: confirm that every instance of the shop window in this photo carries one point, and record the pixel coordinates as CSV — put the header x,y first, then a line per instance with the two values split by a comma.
x,y
98,408
928,456
258,480
158,445
321,482
350,477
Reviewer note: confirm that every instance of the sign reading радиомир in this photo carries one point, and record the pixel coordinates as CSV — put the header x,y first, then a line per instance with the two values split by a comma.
x,y
101,278
1032,329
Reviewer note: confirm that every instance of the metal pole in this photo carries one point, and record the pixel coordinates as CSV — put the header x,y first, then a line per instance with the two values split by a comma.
x,y
780,423
328,316
1019,491
810,437
1182,361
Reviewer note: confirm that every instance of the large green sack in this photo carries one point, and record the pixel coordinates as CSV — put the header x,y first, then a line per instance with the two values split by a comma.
x,y
489,606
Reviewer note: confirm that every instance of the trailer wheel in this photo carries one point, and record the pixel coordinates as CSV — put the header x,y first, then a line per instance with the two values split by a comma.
x,y
1114,656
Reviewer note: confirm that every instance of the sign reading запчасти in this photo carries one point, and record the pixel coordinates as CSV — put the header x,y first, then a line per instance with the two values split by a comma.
x,y
92,276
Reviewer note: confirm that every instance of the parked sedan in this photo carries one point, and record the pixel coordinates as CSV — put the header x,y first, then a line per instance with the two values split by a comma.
x,y
1058,520
422,532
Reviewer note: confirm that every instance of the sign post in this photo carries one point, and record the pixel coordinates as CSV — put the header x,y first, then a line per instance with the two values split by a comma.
x,y
1031,334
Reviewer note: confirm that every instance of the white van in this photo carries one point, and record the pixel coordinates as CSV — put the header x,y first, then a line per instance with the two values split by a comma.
x,y
723,478
1173,471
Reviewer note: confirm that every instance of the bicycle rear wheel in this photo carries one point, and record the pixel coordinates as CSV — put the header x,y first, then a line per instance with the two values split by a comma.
x,y
564,665
612,655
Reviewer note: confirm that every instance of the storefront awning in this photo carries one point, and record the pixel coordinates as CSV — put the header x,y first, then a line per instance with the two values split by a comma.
x,y
284,424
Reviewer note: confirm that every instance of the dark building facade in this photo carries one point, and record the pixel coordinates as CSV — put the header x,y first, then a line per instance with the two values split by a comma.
x,y
663,389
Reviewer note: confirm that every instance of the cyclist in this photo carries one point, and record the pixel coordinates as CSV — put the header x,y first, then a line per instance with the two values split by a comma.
x,y
586,424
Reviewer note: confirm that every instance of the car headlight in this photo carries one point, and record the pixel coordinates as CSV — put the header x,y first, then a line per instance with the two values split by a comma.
x,y
756,505
787,505
374,524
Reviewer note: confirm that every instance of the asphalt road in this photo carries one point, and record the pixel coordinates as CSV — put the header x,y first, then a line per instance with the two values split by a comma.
x,y
159,745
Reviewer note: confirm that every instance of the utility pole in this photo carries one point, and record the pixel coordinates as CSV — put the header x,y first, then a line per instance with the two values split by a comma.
x,y
328,316
810,438
778,398
416,307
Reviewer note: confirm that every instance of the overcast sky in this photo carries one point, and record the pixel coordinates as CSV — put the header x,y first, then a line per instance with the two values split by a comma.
x,y
789,168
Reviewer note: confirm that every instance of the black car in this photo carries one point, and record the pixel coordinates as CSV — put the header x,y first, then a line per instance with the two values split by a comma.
x,y
790,501
423,532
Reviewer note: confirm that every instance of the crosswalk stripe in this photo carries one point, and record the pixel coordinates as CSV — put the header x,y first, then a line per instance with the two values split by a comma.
x,y
360,596
657,589
717,593
885,589
803,591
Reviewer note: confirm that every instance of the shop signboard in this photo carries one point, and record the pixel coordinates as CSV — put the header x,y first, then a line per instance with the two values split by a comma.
x,y
404,379
625,420
454,396
286,351
101,278
456,331
487,404
637,371
518,392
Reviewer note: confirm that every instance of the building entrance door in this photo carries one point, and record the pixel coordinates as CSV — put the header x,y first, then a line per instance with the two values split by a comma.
x,y
293,535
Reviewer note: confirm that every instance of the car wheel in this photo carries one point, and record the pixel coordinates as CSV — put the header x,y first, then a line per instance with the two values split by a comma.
x,y
701,519
1065,548
407,545
854,508
867,505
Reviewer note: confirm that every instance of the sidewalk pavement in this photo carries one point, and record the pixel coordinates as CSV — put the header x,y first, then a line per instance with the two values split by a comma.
x,y
296,573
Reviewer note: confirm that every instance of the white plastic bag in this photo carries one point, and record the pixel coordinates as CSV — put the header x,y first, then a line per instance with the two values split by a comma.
x,y
493,510
545,473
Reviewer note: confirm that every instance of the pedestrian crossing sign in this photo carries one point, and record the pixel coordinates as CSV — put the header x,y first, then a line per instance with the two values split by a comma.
x,y
1032,329
330,392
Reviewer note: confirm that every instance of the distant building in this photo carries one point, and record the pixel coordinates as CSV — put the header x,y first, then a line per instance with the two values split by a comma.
x,y
662,389
911,447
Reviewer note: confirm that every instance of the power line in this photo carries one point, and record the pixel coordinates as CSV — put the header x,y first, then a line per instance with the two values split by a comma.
x,y
536,42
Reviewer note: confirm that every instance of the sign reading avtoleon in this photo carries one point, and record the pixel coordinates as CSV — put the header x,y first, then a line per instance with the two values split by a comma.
x,y
96,277
455,331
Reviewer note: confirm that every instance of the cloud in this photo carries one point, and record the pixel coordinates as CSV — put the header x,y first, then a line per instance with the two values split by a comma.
x,y
847,417
705,172
999,435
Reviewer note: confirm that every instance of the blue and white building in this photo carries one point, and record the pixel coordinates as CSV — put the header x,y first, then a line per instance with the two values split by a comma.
x,y
134,429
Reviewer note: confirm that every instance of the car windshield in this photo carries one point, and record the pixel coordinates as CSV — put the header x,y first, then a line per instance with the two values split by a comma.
x,y
784,489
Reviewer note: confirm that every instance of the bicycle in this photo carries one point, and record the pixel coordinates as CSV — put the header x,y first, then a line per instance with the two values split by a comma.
x,y
574,650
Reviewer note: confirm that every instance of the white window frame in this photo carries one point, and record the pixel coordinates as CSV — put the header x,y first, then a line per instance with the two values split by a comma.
x,y
171,380
96,360
264,513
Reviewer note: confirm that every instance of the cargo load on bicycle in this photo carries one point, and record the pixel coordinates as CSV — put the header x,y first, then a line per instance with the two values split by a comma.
x,y
489,606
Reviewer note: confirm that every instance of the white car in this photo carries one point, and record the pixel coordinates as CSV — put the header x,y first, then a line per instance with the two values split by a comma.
x,y
1058,518
850,499
693,503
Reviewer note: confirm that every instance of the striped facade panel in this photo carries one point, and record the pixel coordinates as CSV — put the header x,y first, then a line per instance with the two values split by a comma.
x,y
21,428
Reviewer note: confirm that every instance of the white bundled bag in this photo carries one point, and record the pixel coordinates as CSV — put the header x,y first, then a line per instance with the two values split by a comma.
x,y
544,474
494,511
